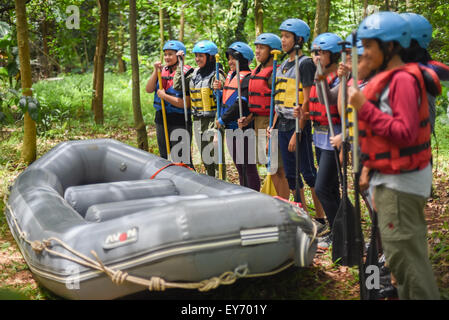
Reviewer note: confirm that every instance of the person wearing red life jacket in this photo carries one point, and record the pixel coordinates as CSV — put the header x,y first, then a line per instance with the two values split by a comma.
x,y
259,97
394,138
230,112
174,105
326,50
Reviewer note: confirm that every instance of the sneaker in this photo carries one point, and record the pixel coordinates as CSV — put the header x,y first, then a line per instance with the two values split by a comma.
x,y
325,242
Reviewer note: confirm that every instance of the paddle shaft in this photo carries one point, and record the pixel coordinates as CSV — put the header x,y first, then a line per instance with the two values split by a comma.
x,y
239,93
298,129
275,54
164,117
356,170
218,98
184,100
329,119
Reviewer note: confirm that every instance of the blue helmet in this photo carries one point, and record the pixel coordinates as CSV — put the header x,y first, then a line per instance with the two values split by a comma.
x,y
174,45
205,46
327,42
358,44
297,27
269,39
244,49
385,26
420,27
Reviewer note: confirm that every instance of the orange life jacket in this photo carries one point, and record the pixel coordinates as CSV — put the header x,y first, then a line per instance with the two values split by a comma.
x,y
259,93
230,86
318,110
381,153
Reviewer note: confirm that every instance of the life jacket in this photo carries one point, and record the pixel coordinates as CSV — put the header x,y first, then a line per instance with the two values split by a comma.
x,y
285,90
441,69
259,93
317,110
230,94
381,153
230,89
201,95
167,84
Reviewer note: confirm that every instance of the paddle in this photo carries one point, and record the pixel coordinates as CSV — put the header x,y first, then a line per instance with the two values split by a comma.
x,y
239,92
164,117
343,245
218,98
184,100
297,129
268,185
356,171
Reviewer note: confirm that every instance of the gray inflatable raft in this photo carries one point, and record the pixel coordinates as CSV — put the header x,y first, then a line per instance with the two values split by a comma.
x,y
180,226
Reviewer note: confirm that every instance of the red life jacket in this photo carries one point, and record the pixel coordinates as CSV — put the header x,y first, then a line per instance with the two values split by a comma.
x,y
167,83
259,93
230,85
381,153
318,110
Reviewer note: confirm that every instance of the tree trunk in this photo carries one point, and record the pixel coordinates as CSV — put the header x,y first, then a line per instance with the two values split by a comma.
x,y
409,5
46,62
161,28
321,17
258,15
168,25
29,127
100,55
142,139
182,22
365,7
120,47
239,30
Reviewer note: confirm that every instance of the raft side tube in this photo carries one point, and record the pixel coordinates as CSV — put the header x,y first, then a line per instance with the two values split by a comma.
x,y
82,197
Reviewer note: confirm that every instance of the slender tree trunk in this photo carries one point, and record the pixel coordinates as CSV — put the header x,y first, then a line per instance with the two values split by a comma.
x,y
409,5
86,55
102,44
182,22
239,30
46,62
168,24
29,137
322,17
142,139
121,45
258,15
161,26
365,8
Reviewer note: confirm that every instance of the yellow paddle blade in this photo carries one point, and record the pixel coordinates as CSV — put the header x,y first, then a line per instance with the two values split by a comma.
x,y
268,187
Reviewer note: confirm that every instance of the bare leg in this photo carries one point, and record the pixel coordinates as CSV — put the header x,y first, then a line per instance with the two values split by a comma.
x,y
318,207
281,184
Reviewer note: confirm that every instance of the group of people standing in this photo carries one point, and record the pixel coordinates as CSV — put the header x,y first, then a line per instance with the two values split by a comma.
x,y
397,85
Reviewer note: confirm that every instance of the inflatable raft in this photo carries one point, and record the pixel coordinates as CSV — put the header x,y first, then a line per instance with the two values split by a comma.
x,y
92,211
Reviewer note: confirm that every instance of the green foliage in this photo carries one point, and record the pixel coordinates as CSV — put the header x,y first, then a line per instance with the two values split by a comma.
x,y
69,99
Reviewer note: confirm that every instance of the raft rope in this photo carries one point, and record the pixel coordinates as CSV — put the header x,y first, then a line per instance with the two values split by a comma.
x,y
179,164
118,277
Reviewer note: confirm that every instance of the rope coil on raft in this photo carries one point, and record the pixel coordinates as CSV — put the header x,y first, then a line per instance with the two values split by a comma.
x,y
119,277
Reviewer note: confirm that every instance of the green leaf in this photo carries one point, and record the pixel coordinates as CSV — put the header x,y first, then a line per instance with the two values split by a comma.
x,y
33,111
3,72
4,29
